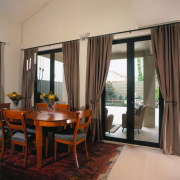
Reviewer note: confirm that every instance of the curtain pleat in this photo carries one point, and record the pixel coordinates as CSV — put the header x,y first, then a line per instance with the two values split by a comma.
x,y
28,76
166,52
71,72
98,61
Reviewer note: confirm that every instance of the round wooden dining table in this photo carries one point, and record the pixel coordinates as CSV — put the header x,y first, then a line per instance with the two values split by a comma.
x,y
41,119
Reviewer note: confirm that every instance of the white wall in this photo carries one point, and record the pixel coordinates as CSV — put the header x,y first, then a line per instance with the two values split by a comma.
x,y
65,20
11,33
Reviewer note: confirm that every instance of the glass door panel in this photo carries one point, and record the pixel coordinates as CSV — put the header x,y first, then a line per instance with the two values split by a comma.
x,y
59,79
43,75
116,93
146,95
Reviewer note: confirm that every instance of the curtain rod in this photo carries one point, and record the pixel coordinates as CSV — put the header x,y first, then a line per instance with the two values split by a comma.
x,y
3,43
128,31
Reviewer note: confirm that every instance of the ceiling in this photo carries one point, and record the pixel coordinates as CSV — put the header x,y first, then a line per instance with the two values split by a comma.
x,y
21,10
152,12
146,12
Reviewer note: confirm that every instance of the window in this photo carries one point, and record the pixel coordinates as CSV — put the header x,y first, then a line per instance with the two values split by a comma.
x,y
50,75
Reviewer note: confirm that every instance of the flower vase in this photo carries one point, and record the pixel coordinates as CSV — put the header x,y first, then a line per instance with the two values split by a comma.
x,y
15,103
50,107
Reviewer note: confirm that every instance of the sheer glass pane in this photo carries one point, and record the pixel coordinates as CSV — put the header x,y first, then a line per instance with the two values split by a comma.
x,y
116,93
146,117
59,79
43,74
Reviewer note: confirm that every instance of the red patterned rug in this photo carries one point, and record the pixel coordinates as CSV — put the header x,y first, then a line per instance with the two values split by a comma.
x,y
102,157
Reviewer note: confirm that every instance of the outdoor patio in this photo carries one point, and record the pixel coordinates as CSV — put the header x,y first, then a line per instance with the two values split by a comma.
x,y
146,134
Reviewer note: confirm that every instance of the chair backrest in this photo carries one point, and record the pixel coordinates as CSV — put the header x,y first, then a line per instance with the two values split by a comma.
x,y
15,121
41,105
81,115
106,112
62,107
108,122
142,112
3,106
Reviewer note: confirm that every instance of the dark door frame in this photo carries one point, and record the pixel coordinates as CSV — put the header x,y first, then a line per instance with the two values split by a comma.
x,y
52,64
130,97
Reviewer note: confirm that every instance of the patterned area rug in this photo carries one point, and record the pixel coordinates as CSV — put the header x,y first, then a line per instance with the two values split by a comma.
x,y
102,157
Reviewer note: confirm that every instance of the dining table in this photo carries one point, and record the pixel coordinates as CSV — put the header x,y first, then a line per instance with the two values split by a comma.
x,y
43,118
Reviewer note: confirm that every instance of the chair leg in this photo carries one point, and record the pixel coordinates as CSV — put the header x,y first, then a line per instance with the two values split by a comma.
x,y
25,156
138,131
122,129
47,142
55,150
12,151
75,156
87,155
2,150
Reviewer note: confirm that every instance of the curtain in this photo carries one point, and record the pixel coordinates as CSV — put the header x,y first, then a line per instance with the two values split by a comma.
x,y
166,52
71,72
98,61
28,76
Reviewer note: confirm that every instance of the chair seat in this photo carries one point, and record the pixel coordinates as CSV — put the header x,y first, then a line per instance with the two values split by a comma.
x,y
18,136
68,135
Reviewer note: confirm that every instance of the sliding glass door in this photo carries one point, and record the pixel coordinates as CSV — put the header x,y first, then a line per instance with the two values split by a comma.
x,y
132,103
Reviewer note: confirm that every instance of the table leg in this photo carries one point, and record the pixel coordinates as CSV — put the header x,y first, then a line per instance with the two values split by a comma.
x,y
39,144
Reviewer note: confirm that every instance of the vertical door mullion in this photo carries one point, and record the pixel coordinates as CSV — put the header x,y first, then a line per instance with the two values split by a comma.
x,y
130,91
52,72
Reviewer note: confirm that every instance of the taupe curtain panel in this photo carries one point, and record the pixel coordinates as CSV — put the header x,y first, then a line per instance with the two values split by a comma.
x,y
28,76
166,51
98,61
71,72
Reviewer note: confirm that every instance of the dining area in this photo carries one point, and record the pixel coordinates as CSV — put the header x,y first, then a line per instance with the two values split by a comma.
x,y
23,126
52,113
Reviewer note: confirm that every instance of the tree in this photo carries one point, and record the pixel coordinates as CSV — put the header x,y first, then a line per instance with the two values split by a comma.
x,y
139,64
109,91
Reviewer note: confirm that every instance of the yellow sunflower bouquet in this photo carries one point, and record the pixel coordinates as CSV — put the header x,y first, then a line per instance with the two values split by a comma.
x,y
50,99
15,97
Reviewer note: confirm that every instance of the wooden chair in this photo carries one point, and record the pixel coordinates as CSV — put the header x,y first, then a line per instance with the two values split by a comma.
x,y
138,119
62,107
76,136
3,128
41,105
2,136
22,136
57,107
